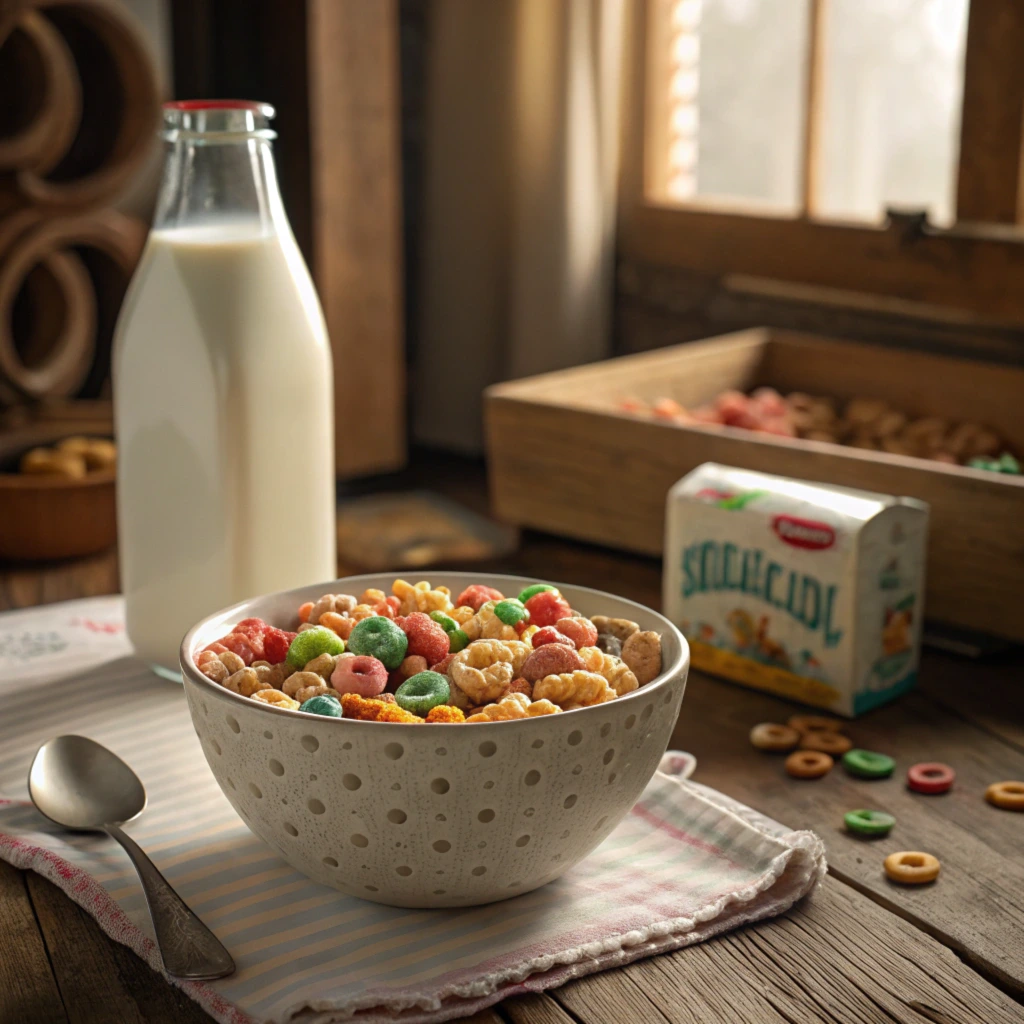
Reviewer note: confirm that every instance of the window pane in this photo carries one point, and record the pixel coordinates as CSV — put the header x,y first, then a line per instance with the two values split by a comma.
x,y
736,99
890,127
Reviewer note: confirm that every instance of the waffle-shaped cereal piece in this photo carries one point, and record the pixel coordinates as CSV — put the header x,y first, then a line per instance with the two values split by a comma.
x,y
341,604
515,705
299,681
616,672
422,598
277,699
340,624
570,690
322,690
245,681
462,614
485,625
485,668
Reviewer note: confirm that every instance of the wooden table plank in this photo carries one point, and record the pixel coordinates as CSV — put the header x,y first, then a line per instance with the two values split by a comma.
x,y
974,906
835,958
28,991
100,980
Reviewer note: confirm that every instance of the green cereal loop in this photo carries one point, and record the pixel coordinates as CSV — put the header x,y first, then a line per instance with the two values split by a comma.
x,y
423,691
311,643
867,764
511,611
458,639
444,621
869,823
322,705
537,588
380,638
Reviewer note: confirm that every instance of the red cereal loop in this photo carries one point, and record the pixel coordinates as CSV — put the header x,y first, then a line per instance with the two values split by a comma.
x,y
547,607
252,627
427,638
385,609
551,660
249,649
582,632
930,777
478,595
550,635
395,602
275,645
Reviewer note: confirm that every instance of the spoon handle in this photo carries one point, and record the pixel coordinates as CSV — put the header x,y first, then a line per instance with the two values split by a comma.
x,y
189,949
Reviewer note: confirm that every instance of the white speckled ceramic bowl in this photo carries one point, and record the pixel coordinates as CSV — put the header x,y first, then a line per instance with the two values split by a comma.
x,y
433,815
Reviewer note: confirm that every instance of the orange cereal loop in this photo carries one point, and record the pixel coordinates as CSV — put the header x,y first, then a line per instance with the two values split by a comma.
x,y
816,723
372,596
340,624
304,610
774,738
911,867
833,743
445,713
808,764
1008,796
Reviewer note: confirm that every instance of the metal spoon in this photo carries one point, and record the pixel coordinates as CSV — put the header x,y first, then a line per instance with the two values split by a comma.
x,y
80,785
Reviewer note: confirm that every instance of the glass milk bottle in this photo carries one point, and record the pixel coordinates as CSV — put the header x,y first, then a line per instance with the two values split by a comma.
x,y
222,389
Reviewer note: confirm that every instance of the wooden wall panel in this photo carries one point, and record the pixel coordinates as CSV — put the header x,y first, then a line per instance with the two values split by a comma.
x,y
354,115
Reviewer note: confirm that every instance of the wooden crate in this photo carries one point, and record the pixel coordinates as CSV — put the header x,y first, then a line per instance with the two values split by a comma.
x,y
562,459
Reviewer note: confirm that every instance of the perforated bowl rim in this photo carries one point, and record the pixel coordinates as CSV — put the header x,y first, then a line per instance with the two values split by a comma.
x,y
678,669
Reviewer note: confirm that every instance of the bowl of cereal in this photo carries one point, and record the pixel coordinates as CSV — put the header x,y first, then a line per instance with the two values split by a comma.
x,y
441,744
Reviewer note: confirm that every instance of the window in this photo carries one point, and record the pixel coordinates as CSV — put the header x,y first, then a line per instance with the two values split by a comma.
x,y
790,146
833,108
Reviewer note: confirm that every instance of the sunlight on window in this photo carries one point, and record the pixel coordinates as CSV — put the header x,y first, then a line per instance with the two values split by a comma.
x,y
734,126
890,128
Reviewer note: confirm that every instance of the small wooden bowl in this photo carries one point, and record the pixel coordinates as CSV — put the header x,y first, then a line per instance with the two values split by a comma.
x,y
48,517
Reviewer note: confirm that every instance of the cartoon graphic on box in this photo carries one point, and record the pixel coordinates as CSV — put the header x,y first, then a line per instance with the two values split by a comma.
x,y
806,590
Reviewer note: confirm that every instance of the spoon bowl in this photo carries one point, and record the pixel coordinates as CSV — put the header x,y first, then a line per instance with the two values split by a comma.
x,y
79,784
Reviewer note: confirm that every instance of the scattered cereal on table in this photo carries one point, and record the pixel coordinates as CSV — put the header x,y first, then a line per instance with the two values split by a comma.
x,y
869,823
1008,796
808,764
866,764
911,867
774,738
930,777
833,743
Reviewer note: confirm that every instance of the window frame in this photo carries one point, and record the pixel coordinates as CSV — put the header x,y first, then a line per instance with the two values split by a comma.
x,y
974,266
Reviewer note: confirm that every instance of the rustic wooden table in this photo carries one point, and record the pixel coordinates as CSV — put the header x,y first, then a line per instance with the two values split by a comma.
x,y
860,951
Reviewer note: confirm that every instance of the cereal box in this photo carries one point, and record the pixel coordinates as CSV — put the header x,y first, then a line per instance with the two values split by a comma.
x,y
809,591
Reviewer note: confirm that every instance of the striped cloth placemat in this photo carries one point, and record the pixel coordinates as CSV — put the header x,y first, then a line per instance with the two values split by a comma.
x,y
685,864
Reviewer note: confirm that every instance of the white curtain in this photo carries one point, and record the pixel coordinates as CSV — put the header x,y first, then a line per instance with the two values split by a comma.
x,y
522,141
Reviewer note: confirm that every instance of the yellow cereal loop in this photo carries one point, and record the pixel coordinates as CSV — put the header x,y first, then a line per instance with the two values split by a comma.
x,y
277,699
514,705
485,668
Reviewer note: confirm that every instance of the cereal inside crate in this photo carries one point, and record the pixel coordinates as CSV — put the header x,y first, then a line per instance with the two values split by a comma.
x,y
810,591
